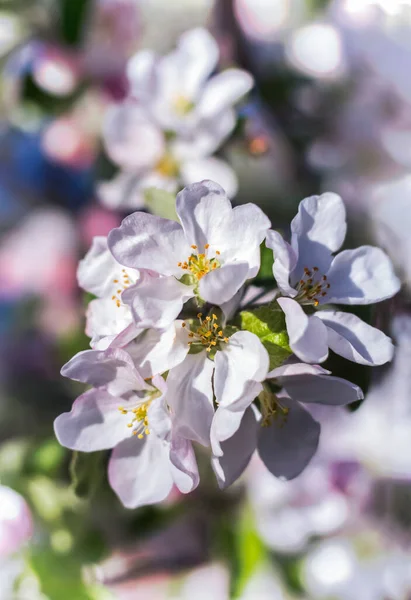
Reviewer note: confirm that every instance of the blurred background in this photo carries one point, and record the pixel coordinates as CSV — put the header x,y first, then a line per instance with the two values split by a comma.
x,y
330,110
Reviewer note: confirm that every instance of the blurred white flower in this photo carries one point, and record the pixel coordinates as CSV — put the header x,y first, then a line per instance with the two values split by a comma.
x,y
338,569
317,50
165,134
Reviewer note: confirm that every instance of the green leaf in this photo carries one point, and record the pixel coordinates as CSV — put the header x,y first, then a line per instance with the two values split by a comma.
x,y
266,269
161,203
268,324
250,553
87,471
60,576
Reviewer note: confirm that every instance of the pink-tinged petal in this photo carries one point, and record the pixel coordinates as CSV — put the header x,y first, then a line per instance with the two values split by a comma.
x,y
286,447
242,363
285,260
211,168
112,368
184,468
237,450
139,471
16,524
350,337
307,335
223,91
125,337
220,285
157,351
132,140
293,369
317,231
190,396
157,302
98,269
203,209
362,276
149,242
124,192
94,423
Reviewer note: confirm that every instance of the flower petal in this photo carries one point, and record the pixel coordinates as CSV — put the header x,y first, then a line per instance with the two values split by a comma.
x,y
321,389
220,285
212,168
94,423
132,141
159,418
203,209
112,369
292,369
287,447
225,424
224,90
285,261
199,54
307,335
139,471
317,231
141,74
237,450
254,225
206,138
361,276
243,361
105,318
350,337
190,396
184,468
156,301
98,269
149,242
157,351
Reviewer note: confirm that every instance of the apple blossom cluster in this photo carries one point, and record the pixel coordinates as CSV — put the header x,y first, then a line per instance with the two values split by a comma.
x,y
165,133
183,353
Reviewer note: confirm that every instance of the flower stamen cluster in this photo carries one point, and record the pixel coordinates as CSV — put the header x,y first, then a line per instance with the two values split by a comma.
x,y
125,284
139,421
312,287
208,333
199,264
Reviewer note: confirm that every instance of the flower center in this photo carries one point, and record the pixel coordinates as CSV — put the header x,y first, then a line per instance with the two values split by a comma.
x,y
139,419
208,333
312,287
198,263
167,166
121,284
183,105
271,408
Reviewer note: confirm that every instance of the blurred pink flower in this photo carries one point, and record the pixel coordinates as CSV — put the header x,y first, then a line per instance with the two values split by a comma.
x,y
113,32
96,221
16,526
39,256
65,141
